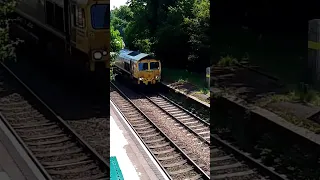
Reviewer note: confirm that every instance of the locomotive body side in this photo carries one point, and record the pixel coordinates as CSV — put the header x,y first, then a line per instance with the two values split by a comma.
x,y
79,27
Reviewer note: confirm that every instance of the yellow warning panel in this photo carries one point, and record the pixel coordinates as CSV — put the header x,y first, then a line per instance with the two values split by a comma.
x,y
313,45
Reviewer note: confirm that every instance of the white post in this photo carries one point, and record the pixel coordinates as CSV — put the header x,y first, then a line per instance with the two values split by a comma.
x,y
208,76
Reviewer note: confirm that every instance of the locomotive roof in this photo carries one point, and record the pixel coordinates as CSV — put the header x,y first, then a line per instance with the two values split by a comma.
x,y
132,55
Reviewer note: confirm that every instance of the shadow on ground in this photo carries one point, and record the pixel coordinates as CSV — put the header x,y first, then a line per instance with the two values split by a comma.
x,y
72,94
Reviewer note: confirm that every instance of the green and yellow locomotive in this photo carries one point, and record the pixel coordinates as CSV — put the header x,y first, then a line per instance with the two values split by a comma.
x,y
140,67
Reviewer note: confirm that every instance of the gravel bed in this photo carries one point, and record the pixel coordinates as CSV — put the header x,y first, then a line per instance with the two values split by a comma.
x,y
169,127
95,131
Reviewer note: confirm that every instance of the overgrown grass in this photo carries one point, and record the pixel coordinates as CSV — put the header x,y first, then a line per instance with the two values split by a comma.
x,y
177,75
311,96
227,61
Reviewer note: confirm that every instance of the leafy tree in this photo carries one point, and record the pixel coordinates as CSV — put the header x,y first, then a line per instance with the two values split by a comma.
x,y
7,45
116,40
176,31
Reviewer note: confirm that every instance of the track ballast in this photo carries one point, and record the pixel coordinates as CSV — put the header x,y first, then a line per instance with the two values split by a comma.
x,y
57,150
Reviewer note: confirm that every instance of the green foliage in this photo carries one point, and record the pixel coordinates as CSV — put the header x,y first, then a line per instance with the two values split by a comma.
x,y
116,40
177,31
7,45
227,61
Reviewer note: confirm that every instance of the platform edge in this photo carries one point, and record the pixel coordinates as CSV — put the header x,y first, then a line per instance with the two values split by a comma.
x,y
19,155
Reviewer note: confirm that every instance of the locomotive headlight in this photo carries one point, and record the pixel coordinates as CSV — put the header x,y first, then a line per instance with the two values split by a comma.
x,y
104,53
140,79
97,55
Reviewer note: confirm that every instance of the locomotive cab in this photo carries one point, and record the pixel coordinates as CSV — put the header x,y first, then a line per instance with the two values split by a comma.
x,y
91,34
140,67
149,71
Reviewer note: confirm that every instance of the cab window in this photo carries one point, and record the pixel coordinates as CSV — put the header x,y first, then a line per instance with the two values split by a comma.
x,y
143,66
154,65
100,16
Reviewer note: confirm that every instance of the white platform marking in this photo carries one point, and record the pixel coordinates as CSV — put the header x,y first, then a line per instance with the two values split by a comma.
x,y
117,144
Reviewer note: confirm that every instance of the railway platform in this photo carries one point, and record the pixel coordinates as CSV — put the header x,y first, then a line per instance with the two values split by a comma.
x,y
15,164
129,158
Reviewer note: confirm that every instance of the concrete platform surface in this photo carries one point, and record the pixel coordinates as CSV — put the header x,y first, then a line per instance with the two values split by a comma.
x,y
15,164
134,160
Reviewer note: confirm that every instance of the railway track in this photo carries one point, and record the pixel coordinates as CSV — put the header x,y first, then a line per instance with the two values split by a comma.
x,y
58,151
227,161
175,162
225,158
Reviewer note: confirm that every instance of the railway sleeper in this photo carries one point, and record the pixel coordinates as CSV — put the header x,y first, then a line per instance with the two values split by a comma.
x,y
171,109
48,142
181,171
190,122
15,114
75,162
179,163
235,174
20,103
139,124
159,145
22,118
150,135
224,167
155,140
59,153
42,121
44,137
178,113
182,117
93,177
195,177
75,170
146,132
56,164
164,151
133,115
10,108
143,128
56,132
160,103
188,119
38,129
204,132
137,119
168,157
35,125
69,145
201,129
217,159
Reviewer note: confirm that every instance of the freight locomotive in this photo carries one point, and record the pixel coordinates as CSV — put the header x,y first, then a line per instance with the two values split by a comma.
x,y
79,28
140,67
